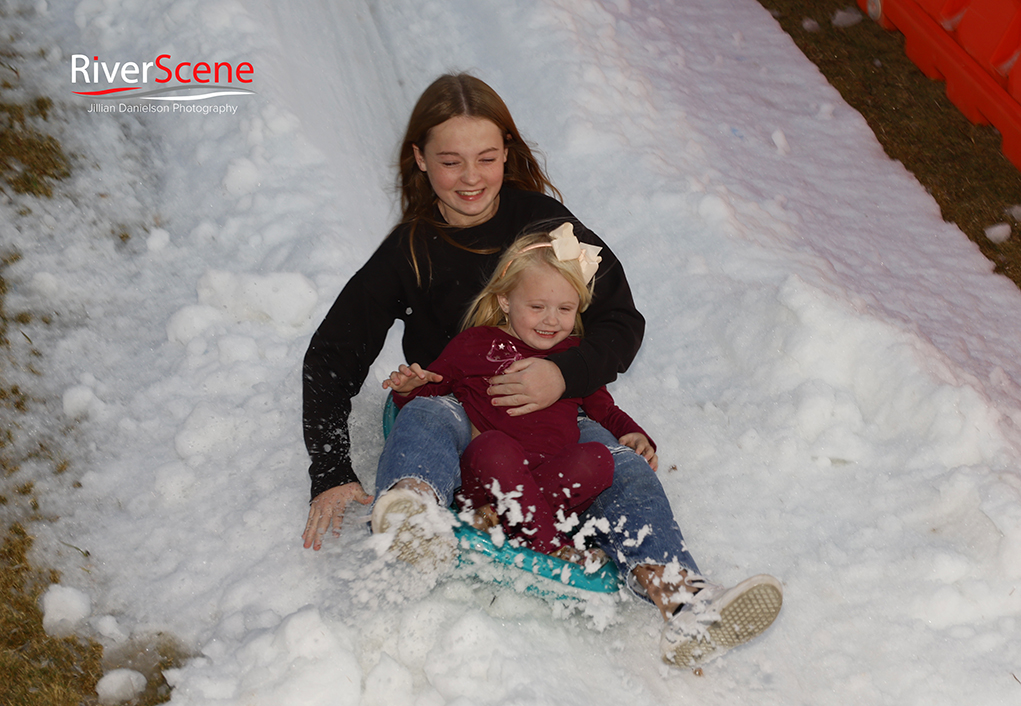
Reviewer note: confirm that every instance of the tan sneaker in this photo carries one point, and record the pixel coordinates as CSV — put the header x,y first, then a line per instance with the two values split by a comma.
x,y
422,530
717,619
485,518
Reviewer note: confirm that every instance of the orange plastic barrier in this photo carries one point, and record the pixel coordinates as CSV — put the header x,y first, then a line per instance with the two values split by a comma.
x,y
974,45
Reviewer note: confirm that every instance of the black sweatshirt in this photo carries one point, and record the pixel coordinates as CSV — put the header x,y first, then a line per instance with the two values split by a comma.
x,y
385,289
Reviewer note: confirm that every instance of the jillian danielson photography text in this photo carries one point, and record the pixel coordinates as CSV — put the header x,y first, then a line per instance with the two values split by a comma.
x,y
227,109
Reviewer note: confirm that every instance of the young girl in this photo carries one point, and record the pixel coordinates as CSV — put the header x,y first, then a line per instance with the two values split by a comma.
x,y
531,468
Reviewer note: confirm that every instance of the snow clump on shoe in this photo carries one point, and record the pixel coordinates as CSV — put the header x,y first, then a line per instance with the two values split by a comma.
x,y
718,619
422,530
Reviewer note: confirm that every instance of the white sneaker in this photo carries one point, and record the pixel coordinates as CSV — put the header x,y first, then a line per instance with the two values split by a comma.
x,y
719,618
422,530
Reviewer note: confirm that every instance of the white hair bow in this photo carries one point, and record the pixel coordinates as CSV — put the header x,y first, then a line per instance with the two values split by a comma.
x,y
567,247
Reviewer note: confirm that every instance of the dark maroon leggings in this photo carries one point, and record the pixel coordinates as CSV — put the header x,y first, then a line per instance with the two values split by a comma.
x,y
541,485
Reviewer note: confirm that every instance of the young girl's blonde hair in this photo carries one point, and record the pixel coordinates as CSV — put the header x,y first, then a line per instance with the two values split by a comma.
x,y
525,252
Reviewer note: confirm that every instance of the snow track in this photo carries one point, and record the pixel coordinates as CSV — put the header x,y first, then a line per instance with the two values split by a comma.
x,y
832,371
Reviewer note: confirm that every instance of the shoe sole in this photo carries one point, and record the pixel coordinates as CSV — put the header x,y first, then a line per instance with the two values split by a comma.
x,y
413,541
749,614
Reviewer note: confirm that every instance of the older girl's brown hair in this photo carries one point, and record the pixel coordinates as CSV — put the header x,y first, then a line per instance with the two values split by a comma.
x,y
451,96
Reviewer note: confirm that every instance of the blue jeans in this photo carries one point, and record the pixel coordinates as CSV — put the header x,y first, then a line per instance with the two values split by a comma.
x,y
430,434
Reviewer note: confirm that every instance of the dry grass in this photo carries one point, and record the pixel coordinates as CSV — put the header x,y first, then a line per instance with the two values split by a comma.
x,y
29,160
37,669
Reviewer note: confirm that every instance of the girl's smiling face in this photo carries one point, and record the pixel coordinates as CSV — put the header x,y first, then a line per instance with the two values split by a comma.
x,y
541,310
463,158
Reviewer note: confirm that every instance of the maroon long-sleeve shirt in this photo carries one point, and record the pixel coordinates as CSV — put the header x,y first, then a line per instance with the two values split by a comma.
x,y
479,353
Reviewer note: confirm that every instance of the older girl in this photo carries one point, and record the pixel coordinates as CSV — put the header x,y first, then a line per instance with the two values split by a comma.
x,y
469,185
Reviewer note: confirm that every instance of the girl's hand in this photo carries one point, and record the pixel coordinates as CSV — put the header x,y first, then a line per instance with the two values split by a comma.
x,y
405,378
527,385
642,447
326,512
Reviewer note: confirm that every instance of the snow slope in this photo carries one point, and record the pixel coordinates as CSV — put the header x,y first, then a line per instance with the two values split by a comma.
x,y
841,367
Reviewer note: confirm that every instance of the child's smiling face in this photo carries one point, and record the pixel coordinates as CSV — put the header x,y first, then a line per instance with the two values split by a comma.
x,y
542,308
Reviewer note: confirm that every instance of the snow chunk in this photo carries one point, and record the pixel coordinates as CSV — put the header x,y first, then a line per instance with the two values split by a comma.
x,y
388,684
466,660
715,209
846,18
242,177
174,480
304,660
780,140
80,401
108,627
998,233
157,240
235,349
46,285
64,608
191,322
120,685
286,299
208,431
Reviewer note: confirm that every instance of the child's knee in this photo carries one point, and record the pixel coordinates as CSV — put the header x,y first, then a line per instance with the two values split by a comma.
x,y
439,407
435,418
629,467
599,463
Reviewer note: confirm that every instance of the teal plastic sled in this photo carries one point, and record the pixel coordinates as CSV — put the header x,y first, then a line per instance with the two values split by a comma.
x,y
480,544
605,580
389,415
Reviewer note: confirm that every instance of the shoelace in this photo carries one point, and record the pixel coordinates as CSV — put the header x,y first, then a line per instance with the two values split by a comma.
x,y
697,584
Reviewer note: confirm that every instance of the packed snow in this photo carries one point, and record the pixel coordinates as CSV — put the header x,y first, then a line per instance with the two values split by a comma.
x,y
833,373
